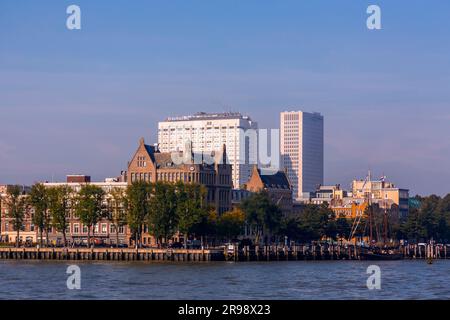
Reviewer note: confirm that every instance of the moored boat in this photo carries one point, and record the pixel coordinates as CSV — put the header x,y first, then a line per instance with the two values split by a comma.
x,y
373,254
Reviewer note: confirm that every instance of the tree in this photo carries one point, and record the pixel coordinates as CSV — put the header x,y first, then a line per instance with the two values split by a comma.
x,y
16,209
38,199
316,222
137,208
343,228
89,206
429,216
59,205
412,228
290,228
444,210
162,217
231,223
116,211
190,209
428,220
207,227
261,214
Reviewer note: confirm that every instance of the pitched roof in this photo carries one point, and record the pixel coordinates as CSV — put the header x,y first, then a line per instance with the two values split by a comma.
x,y
277,180
150,151
166,160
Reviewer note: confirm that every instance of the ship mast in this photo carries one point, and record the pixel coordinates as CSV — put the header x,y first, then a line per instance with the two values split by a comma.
x,y
368,194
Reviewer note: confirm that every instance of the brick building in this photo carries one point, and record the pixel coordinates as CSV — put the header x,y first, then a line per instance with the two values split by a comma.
x,y
276,184
149,164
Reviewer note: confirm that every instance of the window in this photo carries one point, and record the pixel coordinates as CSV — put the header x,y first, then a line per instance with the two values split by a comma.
x,y
96,228
141,161
76,228
104,228
85,229
112,228
121,229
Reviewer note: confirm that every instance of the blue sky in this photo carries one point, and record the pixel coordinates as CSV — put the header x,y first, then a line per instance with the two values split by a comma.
x,y
78,101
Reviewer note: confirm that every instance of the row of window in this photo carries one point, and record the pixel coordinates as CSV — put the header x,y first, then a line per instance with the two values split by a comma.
x,y
201,128
76,228
205,178
102,228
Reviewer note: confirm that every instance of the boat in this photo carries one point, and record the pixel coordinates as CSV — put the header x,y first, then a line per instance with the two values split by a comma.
x,y
378,254
376,249
381,256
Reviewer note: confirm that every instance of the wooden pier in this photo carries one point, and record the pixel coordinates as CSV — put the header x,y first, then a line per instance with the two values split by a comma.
x,y
258,253
328,252
110,254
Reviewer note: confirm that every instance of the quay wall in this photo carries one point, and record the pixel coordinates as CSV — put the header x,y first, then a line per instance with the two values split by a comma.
x,y
262,253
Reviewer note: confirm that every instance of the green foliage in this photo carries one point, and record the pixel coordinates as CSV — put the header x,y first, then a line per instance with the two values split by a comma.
x,y
167,208
88,207
343,227
190,208
289,227
116,210
261,213
59,205
16,208
230,224
317,222
207,226
430,220
38,199
137,207
162,217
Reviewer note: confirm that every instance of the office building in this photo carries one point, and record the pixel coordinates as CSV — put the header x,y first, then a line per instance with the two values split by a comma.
x,y
207,132
302,151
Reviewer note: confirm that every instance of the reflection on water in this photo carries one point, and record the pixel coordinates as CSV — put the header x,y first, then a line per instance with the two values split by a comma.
x,y
222,280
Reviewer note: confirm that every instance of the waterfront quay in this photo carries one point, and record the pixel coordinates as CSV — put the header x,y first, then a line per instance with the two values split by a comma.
x,y
229,253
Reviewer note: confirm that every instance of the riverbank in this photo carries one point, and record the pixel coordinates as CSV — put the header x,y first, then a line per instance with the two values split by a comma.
x,y
264,253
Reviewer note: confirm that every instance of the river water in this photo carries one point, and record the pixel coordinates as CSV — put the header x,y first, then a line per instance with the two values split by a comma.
x,y
225,280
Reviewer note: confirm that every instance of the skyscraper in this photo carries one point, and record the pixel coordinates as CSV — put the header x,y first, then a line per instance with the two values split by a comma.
x,y
301,148
209,132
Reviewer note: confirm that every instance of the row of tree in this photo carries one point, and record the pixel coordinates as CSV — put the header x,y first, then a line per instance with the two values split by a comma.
x,y
160,208
163,209
429,219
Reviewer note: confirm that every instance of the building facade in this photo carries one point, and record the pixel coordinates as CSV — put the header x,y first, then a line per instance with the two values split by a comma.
x,y
277,186
149,164
207,132
383,193
302,150
104,231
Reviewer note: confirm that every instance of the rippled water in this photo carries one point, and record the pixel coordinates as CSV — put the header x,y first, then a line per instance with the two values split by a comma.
x,y
223,280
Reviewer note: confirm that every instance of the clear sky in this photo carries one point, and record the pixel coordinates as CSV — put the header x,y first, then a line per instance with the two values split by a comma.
x,y
78,101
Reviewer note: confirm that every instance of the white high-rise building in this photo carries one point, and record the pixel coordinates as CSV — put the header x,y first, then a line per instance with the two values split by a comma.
x,y
301,147
209,132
